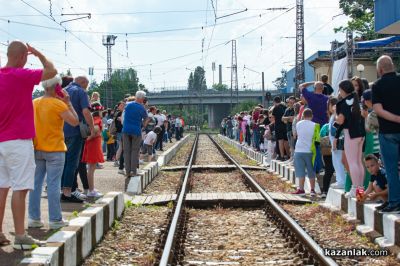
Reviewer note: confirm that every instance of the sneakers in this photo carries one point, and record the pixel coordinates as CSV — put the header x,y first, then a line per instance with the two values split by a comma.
x,y
121,171
313,193
141,162
351,193
71,199
94,194
35,223
323,195
58,224
26,242
299,192
337,186
79,195
382,206
390,209
116,164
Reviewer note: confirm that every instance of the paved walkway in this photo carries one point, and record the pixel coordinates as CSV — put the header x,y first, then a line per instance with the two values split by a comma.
x,y
106,180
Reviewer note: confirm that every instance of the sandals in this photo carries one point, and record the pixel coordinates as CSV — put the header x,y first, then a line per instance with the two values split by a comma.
x,y
3,240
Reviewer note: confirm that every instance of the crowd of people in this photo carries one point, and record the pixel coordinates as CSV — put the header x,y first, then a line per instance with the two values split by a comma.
x,y
354,135
45,143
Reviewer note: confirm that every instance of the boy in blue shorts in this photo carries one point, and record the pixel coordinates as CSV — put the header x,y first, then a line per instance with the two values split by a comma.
x,y
303,152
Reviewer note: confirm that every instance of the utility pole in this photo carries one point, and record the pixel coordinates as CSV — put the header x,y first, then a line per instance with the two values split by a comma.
x,y
213,70
234,76
108,42
220,75
299,75
349,53
263,89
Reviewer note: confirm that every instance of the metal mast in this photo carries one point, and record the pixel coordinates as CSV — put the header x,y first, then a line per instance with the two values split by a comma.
x,y
234,76
300,76
349,53
108,41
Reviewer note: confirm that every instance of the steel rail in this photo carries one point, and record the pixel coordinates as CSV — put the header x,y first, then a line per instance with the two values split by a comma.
x,y
167,251
306,239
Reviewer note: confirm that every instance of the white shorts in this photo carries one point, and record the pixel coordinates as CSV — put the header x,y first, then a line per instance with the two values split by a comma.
x,y
17,164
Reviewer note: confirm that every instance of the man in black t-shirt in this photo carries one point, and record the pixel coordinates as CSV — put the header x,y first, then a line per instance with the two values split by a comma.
x,y
328,90
288,119
280,127
385,100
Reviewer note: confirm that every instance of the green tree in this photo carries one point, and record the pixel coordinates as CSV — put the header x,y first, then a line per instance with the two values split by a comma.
x,y
37,93
281,82
362,19
220,87
123,81
197,80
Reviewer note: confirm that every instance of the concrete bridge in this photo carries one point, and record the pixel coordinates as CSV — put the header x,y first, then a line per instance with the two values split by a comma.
x,y
216,102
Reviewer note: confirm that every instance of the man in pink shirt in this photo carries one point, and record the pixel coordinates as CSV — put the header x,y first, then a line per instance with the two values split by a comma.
x,y
17,163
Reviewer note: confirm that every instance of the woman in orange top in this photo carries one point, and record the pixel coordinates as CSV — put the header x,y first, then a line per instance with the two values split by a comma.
x,y
93,153
50,112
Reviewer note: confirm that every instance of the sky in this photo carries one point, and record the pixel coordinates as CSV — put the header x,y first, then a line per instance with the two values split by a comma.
x,y
165,40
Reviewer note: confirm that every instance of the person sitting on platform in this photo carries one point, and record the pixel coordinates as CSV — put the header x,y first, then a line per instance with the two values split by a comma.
x,y
377,188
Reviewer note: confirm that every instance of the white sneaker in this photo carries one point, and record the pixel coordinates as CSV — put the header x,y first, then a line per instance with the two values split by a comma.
x,y
337,186
351,193
141,162
58,224
79,195
35,223
26,242
121,171
94,194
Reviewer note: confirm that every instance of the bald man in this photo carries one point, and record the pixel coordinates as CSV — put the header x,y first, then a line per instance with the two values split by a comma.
x,y
316,101
385,100
74,140
17,163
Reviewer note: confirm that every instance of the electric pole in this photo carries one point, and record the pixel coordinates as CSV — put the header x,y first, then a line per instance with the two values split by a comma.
x,y
299,75
234,76
108,42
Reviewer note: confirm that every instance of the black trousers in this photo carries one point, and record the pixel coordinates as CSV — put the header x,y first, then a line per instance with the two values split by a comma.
x,y
329,170
82,171
110,151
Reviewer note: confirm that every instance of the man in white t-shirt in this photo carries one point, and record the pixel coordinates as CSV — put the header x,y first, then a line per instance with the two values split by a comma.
x,y
303,152
149,141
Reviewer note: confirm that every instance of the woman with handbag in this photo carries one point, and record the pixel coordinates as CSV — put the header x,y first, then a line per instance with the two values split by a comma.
x,y
326,151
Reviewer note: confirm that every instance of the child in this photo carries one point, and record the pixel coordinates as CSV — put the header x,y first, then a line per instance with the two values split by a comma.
x,y
149,142
377,188
304,152
92,152
110,143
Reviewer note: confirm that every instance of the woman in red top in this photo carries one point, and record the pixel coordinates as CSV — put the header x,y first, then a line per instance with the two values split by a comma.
x,y
93,153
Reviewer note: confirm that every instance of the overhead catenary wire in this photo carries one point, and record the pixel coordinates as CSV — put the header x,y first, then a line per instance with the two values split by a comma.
x,y
73,34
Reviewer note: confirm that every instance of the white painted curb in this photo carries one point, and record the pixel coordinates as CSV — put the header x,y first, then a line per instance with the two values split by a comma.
x,y
77,240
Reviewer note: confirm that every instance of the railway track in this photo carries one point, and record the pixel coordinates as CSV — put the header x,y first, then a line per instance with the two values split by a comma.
x,y
224,236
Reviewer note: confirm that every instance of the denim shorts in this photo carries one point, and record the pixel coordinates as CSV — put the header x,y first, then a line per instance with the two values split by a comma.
x,y
303,163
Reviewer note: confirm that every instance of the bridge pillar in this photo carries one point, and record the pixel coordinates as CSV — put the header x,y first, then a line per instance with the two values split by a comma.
x,y
216,112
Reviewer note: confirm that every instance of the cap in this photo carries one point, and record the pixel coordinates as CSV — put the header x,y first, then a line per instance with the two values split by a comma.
x,y
367,95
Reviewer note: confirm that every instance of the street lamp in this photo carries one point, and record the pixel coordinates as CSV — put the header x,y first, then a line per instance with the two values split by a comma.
x,y
360,68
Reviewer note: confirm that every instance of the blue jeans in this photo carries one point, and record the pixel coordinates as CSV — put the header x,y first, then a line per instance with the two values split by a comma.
x,y
74,149
390,149
256,138
48,164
